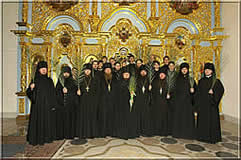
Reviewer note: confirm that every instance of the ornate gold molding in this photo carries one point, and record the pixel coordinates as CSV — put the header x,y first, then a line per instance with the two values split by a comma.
x,y
21,105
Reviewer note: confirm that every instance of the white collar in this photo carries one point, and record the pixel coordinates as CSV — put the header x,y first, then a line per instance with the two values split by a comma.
x,y
209,76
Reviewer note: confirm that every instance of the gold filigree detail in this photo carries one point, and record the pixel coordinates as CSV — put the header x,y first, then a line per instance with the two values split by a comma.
x,y
21,105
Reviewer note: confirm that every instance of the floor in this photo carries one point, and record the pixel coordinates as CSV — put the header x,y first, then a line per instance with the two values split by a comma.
x,y
15,145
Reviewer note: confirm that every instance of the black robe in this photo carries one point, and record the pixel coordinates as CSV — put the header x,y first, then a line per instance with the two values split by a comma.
x,y
123,122
164,67
183,120
66,108
141,107
41,127
96,74
107,106
208,124
159,108
137,72
171,100
155,74
87,126
117,74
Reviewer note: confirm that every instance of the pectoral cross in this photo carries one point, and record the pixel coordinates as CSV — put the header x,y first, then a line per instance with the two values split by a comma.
x,y
143,89
161,91
109,87
87,89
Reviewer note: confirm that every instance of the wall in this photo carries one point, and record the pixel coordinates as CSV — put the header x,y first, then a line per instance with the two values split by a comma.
x,y
10,17
231,55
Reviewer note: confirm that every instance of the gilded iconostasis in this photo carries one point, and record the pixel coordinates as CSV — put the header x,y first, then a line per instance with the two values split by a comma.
x,y
58,31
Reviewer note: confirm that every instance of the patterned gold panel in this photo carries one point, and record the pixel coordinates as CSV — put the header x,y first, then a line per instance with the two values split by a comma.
x,y
184,51
42,13
95,50
157,51
107,8
21,105
200,17
118,41
58,38
140,8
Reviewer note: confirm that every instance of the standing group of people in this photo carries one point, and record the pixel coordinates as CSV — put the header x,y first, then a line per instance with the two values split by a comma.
x,y
124,100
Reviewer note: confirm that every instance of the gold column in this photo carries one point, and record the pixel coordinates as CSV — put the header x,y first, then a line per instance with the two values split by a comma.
x,y
94,8
168,47
23,64
25,12
49,57
195,62
94,18
104,49
142,51
144,46
21,105
153,9
153,20
79,47
217,60
217,27
217,14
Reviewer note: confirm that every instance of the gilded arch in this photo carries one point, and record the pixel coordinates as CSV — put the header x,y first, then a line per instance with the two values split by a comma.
x,y
127,13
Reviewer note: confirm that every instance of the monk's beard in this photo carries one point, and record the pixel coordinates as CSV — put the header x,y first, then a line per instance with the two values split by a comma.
x,y
108,76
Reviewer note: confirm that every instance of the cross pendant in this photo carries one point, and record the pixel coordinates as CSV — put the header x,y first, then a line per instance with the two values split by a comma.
x,y
87,89
143,89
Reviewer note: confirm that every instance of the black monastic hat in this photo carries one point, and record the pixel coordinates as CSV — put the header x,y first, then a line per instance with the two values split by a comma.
x,y
209,66
107,65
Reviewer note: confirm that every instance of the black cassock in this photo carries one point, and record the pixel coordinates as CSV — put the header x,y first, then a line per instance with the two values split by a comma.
x,y
123,111
117,74
183,122
96,74
87,126
164,67
171,75
41,127
141,107
108,98
155,74
159,108
208,125
137,72
66,111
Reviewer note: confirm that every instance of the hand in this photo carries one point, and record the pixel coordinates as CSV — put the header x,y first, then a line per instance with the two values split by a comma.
x,y
150,87
65,90
131,101
32,86
192,90
210,91
133,93
53,109
78,92
168,96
